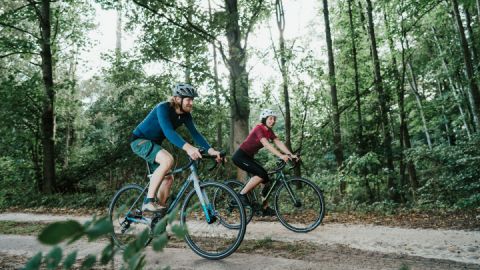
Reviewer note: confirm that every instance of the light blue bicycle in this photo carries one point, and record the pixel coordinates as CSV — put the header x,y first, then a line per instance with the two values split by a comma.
x,y
211,212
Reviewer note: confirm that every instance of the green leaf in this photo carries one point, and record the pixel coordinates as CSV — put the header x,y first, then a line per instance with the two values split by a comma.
x,y
34,262
70,260
179,230
59,231
129,251
160,227
99,228
136,262
107,254
88,262
135,246
142,239
172,215
160,242
53,258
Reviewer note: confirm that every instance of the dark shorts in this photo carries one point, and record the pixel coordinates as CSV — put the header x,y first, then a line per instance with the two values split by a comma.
x,y
249,164
147,150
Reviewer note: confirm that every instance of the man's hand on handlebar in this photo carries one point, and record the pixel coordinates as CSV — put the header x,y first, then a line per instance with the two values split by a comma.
x,y
192,151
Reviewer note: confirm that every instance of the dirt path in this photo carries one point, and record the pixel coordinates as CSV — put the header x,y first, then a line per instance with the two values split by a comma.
x,y
341,246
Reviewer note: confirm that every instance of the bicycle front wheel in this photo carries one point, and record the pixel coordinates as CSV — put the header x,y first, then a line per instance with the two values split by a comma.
x,y
125,212
299,205
211,239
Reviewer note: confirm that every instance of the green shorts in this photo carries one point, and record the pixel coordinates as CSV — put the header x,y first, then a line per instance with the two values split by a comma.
x,y
147,150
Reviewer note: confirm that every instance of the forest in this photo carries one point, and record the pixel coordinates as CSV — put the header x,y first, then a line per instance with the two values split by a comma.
x,y
380,98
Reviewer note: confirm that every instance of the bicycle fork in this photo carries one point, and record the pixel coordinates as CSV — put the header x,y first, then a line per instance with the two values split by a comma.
x,y
296,202
202,197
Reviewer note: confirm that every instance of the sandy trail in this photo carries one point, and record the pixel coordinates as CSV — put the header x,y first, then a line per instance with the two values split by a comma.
x,y
454,245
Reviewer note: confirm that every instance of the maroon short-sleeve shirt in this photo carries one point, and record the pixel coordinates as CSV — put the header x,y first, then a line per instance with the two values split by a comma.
x,y
252,143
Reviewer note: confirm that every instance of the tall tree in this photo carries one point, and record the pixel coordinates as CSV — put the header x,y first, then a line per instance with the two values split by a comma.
x,y
453,86
216,81
416,93
404,138
337,135
240,106
471,38
280,15
359,135
48,123
474,93
382,102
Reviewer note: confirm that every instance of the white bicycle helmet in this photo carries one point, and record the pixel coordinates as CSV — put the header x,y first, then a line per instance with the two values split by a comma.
x,y
266,113
184,90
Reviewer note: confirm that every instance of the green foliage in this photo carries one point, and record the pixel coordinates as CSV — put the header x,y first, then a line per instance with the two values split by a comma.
x,y
450,174
34,262
88,262
94,118
72,231
53,258
58,232
70,260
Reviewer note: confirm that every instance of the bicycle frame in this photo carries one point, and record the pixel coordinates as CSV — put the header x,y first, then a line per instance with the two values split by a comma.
x,y
279,176
192,178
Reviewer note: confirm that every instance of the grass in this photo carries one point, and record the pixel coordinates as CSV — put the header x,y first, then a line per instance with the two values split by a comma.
x,y
21,228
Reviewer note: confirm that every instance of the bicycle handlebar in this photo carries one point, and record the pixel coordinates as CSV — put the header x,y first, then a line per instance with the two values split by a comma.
x,y
281,164
205,155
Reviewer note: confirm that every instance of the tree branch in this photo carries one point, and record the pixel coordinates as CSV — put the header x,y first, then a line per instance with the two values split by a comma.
x,y
20,52
18,29
39,14
193,28
159,55
252,22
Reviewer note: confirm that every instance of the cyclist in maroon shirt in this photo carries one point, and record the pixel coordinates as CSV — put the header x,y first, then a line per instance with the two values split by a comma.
x,y
261,136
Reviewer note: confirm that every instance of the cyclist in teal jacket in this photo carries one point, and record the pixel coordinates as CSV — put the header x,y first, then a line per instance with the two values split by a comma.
x,y
159,124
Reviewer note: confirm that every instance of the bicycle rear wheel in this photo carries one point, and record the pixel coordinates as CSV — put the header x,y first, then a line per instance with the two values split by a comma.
x,y
125,212
237,186
299,205
212,239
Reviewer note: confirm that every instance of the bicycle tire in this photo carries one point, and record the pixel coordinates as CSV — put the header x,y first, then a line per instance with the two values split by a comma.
x,y
200,236
125,231
309,207
237,186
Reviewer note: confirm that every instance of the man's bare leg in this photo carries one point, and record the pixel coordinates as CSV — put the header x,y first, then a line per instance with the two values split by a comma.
x,y
165,160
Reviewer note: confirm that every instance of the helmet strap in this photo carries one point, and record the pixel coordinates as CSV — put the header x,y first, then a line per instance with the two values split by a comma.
x,y
181,104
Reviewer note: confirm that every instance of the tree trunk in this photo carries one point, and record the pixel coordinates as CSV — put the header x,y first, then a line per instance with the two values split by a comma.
x,y
478,11
452,85
48,123
188,54
70,114
446,122
337,136
283,68
217,84
414,88
412,172
36,160
400,96
118,43
471,38
474,93
383,101
239,100
359,135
